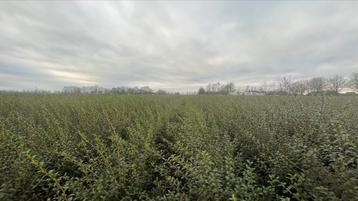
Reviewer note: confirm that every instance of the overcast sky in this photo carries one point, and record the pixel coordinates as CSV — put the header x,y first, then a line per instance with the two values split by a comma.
x,y
173,45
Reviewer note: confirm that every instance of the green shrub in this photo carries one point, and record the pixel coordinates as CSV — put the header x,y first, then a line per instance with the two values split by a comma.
x,y
144,147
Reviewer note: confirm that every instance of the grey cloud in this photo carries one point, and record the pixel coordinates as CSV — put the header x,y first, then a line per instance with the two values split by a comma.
x,y
173,45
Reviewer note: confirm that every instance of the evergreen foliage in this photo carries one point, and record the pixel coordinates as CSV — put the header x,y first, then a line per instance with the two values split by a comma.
x,y
161,147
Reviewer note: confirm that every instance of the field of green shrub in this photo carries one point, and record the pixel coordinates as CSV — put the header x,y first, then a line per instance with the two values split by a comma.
x,y
152,147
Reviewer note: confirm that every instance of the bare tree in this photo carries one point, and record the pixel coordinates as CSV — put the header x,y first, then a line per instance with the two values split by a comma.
x,y
286,84
209,88
299,87
72,89
317,84
229,88
216,87
213,88
354,81
336,82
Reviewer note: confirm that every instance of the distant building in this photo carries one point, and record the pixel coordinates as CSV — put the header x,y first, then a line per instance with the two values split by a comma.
x,y
347,91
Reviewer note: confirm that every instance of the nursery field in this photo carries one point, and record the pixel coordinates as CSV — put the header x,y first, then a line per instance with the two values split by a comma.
x,y
167,147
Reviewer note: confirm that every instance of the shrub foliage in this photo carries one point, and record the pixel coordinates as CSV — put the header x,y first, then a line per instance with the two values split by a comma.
x,y
148,147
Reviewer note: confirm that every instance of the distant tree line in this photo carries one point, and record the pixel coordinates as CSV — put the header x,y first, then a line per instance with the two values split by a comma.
x,y
218,88
334,85
95,90
114,90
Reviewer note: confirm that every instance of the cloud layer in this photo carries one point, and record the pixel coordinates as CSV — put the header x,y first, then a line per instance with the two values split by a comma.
x,y
173,45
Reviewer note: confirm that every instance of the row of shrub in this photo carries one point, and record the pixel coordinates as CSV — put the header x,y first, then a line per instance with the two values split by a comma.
x,y
137,147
